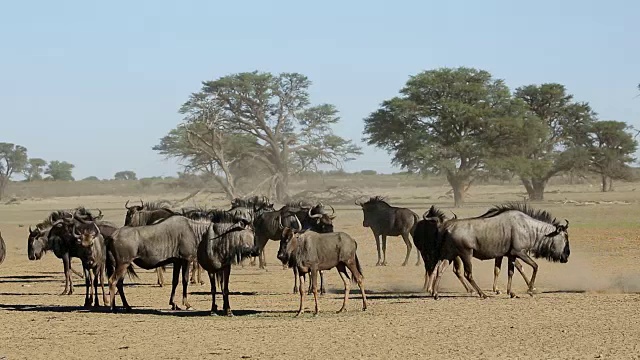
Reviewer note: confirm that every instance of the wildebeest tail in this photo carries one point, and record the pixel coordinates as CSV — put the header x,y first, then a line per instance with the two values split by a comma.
x,y
132,273
416,219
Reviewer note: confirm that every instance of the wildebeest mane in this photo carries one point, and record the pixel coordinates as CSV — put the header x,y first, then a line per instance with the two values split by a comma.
x,y
377,200
434,212
156,205
223,216
537,214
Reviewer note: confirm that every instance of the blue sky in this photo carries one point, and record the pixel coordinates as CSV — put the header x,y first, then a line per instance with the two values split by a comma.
x,y
99,83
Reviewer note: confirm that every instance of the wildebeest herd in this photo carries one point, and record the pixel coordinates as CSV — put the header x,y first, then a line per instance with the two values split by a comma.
x,y
192,239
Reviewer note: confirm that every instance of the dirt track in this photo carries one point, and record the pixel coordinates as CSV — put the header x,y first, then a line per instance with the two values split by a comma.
x,y
588,308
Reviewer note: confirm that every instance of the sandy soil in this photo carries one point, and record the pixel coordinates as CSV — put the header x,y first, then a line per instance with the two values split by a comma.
x,y
587,308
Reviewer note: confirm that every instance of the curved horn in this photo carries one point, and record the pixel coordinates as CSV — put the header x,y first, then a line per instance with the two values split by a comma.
x,y
359,203
99,214
141,203
567,221
76,234
97,228
313,216
454,215
126,205
333,211
298,221
280,221
30,231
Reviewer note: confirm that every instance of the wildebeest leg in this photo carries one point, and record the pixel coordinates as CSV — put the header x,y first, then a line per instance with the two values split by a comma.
x,y
174,284
96,272
88,290
68,284
407,242
521,271
212,280
295,279
105,300
353,266
260,242
529,261
313,278
226,306
496,272
322,291
457,269
440,269
301,291
185,284
466,257
378,244
117,279
510,260
384,250
200,271
342,270
160,272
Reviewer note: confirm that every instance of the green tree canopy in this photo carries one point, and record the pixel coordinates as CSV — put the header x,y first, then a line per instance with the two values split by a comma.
x,y
611,150
125,175
442,123
33,169
13,159
259,116
60,170
548,139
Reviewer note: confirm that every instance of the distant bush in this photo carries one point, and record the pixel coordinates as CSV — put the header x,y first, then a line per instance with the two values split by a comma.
x,y
368,172
91,178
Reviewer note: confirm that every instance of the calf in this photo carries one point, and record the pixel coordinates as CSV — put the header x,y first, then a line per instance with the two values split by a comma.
x,y
310,252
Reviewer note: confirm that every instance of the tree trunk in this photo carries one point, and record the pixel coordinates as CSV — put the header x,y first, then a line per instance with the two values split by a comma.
x,y
535,188
282,185
457,185
3,185
606,183
610,184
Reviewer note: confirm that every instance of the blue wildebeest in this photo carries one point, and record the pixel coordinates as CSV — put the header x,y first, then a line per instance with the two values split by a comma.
x,y
228,241
425,238
146,214
310,252
3,249
93,254
41,240
513,230
269,226
386,220
173,240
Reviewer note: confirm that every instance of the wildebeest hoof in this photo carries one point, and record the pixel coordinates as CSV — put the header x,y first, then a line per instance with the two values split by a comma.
x,y
174,307
229,313
189,307
498,292
436,297
341,311
214,313
384,263
299,313
315,314
514,296
378,263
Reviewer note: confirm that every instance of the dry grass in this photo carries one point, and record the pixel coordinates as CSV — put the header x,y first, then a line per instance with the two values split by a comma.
x,y
587,308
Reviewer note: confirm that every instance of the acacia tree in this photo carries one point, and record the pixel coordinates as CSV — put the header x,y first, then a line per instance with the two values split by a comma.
x,y
33,169
611,150
13,159
552,136
271,115
442,124
125,175
60,170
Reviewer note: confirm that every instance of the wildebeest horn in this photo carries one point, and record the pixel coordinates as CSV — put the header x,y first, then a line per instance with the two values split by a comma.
x,y
298,221
141,203
126,205
359,203
97,228
99,215
30,231
333,211
76,234
313,216
454,215
567,221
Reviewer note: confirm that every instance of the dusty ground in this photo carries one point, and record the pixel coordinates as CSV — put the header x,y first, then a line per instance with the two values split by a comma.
x,y
587,308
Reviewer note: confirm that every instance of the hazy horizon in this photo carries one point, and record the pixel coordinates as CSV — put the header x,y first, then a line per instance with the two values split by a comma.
x,y
98,84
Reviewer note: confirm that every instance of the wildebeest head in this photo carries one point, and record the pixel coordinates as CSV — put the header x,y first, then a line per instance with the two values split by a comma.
x,y
559,248
86,235
371,207
83,215
288,240
36,244
319,220
132,210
